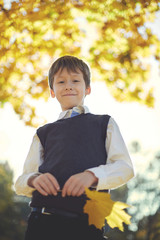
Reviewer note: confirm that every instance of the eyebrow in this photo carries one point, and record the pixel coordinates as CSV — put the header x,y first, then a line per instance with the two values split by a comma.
x,y
71,74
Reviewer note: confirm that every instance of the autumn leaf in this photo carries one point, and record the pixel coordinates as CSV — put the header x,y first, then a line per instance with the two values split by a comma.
x,y
100,207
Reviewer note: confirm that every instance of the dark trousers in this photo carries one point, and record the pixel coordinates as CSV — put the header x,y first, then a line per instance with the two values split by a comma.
x,y
55,227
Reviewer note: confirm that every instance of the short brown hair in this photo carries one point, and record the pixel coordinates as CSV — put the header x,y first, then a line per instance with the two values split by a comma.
x,y
72,64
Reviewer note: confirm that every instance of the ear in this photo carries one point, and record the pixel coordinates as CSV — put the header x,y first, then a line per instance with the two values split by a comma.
x,y
52,93
88,90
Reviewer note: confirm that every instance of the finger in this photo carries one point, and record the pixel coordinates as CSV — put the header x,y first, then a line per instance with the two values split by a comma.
x,y
49,186
70,188
81,191
75,190
54,181
41,190
46,182
65,187
73,185
43,183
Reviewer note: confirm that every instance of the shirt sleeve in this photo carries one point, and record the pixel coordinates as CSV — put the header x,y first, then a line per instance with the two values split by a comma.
x,y
33,161
118,168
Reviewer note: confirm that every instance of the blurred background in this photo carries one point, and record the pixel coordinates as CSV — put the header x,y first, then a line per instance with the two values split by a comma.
x,y
120,40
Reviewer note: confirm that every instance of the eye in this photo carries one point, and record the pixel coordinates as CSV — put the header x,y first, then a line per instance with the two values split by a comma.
x,y
60,82
76,80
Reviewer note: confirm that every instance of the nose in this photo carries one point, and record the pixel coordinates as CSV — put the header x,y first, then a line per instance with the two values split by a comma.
x,y
68,86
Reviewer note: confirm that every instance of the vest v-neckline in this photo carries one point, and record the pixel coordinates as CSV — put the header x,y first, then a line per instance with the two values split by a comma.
x,y
75,117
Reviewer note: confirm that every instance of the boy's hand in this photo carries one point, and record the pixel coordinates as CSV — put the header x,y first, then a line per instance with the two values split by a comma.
x,y
76,184
45,184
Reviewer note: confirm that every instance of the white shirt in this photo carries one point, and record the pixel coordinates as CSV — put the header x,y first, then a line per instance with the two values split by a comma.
x,y
116,172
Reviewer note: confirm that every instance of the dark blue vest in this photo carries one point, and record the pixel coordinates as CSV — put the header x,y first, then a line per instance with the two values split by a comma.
x,y
71,146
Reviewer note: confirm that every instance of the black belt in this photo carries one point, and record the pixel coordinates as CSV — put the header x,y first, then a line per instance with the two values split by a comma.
x,y
53,211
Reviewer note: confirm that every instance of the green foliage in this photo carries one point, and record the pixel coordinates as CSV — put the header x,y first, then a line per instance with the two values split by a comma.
x,y
13,211
142,193
33,33
149,228
6,193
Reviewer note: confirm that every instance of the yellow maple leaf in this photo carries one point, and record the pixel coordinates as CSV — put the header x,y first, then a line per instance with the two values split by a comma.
x,y
100,207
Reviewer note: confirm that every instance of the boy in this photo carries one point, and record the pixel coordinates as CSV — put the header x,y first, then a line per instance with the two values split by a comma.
x,y
79,150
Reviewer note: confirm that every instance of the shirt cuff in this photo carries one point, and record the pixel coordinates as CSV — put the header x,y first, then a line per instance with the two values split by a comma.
x,y
22,187
101,176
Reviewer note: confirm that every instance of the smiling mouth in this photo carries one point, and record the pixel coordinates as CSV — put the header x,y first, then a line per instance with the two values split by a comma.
x,y
69,94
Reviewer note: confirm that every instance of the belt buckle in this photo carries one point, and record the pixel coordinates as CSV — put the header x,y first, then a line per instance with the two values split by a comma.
x,y
46,213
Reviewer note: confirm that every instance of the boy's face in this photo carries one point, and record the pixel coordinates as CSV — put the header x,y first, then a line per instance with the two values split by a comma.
x,y
69,88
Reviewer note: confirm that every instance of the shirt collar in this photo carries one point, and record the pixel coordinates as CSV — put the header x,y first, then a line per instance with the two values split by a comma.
x,y
79,109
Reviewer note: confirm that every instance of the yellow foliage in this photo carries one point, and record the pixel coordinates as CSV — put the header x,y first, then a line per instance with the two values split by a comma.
x,y
30,30
100,207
